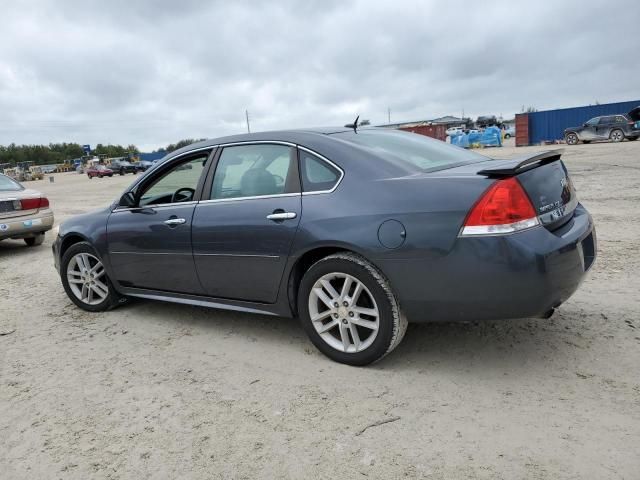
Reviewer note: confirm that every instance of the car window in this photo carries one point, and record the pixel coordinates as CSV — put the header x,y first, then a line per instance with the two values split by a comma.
x,y
620,119
254,170
176,185
606,120
9,185
316,174
419,151
593,121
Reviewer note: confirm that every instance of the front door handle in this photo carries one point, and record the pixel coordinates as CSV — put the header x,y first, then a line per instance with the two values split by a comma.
x,y
175,221
282,216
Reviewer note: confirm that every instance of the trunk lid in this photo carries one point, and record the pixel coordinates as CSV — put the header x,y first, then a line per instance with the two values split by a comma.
x,y
546,181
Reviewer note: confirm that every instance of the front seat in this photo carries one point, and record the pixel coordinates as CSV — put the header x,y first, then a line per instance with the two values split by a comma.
x,y
258,181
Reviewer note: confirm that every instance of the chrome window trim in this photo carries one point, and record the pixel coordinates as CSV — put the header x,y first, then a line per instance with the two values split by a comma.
x,y
326,160
159,205
256,142
256,197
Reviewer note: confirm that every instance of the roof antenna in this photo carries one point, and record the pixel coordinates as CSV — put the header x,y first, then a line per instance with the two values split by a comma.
x,y
353,125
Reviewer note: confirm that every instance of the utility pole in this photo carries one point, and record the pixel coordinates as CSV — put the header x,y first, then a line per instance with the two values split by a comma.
x,y
389,115
246,114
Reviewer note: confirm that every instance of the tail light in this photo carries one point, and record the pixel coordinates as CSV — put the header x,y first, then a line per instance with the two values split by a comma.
x,y
503,208
34,203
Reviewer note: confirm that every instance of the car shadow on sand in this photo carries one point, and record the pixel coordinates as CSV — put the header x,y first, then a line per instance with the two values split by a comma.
x,y
15,248
485,344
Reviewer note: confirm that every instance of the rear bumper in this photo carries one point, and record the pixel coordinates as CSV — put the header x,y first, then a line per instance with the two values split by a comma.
x,y
27,226
521,275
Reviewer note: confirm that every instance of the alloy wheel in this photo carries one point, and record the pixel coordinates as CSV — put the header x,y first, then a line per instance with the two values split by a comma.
x,y
617,136
344,312
572,139
86,277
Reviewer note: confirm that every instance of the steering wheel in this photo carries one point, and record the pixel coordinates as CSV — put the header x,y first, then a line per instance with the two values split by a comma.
x,y
175,197
279,179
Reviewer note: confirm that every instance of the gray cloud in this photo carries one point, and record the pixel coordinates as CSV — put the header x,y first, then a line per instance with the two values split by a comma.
x,y
153,72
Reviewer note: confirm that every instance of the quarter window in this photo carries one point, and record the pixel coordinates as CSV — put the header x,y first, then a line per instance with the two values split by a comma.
x,y
254,170
317,175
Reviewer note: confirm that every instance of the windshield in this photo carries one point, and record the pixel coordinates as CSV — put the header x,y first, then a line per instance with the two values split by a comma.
x,y
9,185
427,154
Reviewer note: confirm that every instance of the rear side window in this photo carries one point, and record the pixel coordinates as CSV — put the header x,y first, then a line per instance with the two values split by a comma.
x,y
420,151
621,119
254,171
316,174
606,120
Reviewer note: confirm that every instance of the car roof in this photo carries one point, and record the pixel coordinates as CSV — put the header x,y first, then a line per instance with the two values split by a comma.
x,y
293,136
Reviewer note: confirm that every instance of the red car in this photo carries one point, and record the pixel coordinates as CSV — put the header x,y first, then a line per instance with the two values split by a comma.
x,y
99,171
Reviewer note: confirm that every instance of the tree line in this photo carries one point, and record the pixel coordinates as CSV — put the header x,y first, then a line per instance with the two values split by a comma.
x,y
55,153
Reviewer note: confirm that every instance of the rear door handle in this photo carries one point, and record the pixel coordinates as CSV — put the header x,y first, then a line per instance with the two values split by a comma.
x,y
282,216
175,221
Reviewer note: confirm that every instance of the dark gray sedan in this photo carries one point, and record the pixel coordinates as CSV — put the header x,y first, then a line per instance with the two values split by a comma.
x,y
355,232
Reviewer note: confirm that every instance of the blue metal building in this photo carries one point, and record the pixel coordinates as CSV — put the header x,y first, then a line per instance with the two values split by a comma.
x,y
550,124
152,156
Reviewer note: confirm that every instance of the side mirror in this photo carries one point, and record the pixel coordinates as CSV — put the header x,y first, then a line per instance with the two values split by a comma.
x,y
128,200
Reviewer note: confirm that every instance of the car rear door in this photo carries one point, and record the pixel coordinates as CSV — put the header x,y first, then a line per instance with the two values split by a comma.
x,y
603,128
150,244
243,231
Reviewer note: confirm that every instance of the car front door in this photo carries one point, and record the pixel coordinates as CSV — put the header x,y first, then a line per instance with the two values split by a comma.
x,y
149,243
589,129
244,226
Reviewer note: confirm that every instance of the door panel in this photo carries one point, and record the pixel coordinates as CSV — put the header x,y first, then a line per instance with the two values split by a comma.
x,y
239,253
146,252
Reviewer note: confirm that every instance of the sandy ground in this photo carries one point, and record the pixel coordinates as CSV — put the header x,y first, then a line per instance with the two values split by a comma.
x,y
157,390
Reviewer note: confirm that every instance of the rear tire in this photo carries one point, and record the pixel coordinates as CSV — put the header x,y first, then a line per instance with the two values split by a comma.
x,y
90,177
85,280
571,138
34,241
122,171
616,135
367,323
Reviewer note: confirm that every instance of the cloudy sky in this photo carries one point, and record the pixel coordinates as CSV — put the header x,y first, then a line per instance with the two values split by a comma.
x,y
153,72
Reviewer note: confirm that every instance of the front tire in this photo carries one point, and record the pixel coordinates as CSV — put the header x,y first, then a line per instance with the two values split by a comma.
x,y
571,139
616,135
85,280
349,311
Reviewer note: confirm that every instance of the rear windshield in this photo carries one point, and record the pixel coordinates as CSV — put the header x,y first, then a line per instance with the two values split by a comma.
x,y
424,153
8,185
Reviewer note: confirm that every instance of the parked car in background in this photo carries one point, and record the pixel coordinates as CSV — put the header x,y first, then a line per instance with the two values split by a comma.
x,y
608,127
144,165
510,131
454,130
290,223
24,213
98,171
124,166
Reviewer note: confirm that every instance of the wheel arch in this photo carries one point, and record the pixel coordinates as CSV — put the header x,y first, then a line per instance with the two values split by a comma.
x,y
304,262
69,240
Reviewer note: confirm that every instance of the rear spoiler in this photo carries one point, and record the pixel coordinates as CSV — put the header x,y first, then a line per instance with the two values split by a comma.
x,y
514,166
